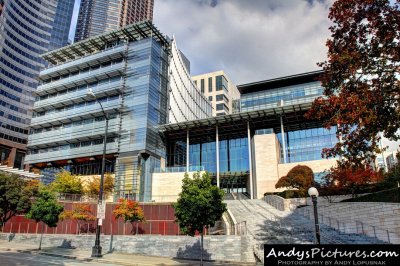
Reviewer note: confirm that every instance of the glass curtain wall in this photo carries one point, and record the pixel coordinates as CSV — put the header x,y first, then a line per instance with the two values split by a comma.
x,y
307,145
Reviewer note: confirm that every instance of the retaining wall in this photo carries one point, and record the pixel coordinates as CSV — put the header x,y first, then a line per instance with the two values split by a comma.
x,y
228,248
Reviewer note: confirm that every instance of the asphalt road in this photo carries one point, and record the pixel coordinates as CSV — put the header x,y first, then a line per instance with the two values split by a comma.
x,y
10,258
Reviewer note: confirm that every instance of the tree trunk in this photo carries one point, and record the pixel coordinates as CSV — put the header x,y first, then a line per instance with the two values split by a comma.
x,y
201,251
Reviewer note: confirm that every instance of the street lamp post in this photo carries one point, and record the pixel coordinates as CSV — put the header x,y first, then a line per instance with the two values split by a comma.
x,y
313,192
97,249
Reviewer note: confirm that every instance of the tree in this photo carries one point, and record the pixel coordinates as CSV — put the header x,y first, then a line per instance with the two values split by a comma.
x,y
45,209
129,210
361,78
300,177
79,213
349,177
199,205
13,200
31,188
93,186
67,183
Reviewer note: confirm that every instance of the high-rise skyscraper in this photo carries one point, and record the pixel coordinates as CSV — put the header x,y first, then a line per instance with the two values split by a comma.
x,y
27,29
99,16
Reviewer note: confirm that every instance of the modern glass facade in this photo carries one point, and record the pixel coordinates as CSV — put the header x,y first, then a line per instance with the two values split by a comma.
x,y
129,76
61,25
186,102
27,29
233,159
99,16
289,95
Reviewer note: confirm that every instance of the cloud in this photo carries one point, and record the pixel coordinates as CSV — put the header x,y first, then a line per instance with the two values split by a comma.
x,y
250,40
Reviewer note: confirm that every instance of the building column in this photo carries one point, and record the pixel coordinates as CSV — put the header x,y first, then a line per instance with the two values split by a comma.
x,y
217,152
250,160
283,141
187,150
11,157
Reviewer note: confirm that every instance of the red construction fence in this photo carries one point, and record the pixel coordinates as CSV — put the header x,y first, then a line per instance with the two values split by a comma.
x,y
160,220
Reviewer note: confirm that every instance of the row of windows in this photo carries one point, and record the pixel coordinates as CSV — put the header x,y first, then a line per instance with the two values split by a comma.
x,y
25,45
85,87
12,138
72,146
15,129
74,125
29,29
29,38
19,60
33,14
75,106
10,96
306,145
17,79
34,23
17,69
311,90
11,86
12,107
83,71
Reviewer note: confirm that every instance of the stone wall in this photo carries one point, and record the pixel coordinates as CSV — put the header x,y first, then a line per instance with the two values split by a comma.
x,y
227,248
282,204
167,186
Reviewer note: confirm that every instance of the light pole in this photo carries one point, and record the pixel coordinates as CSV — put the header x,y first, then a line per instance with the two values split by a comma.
x,y
313,192
97,249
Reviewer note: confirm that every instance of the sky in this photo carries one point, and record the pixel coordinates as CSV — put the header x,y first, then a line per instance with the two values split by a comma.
x,y
251,40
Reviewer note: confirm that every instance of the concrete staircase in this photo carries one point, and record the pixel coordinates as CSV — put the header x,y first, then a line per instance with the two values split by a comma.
x,y
267,225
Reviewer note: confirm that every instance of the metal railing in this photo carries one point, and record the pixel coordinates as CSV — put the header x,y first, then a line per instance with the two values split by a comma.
x,y
354,227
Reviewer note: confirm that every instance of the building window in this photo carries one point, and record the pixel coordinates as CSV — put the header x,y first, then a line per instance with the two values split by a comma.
x,y
210,84
210,98
221,83
222,107
202,85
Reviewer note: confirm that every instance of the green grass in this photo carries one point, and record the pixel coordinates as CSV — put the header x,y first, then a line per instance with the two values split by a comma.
x,y
391,195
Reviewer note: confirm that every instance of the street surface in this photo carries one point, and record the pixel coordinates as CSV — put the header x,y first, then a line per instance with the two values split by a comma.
x,y
11,258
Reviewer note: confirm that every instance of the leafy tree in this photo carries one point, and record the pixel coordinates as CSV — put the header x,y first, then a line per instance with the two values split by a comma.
x,y
299,177
199,206
80,213
129,210
67,183
361,77
13,200
45,209
351,178
31,188
93,186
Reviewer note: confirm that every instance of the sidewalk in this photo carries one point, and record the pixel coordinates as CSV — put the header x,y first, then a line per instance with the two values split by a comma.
x,y
110,258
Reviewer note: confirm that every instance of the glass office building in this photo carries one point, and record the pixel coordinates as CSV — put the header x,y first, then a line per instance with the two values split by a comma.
x,y
127,70
99,16
248,151
27,29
